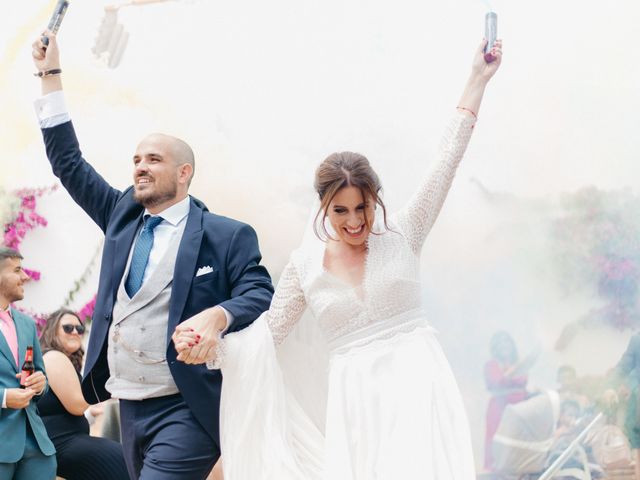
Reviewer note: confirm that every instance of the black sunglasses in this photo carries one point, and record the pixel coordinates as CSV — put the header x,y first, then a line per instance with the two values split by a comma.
x,y
68,328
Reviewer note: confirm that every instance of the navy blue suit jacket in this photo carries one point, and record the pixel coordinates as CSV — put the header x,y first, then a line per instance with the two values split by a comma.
x,y
238,283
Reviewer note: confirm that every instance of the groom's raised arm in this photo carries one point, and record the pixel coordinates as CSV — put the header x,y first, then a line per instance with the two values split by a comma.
x,y
87,188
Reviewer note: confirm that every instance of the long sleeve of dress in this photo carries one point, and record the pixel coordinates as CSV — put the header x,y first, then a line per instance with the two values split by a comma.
x,y
420,213
287,306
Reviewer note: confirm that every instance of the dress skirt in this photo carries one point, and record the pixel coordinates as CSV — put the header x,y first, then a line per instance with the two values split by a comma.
x,y
391,408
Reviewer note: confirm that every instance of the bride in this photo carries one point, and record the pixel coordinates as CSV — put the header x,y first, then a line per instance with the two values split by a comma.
x,y
360,389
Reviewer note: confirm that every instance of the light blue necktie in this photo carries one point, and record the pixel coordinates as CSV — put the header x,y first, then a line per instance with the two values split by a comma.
x,y
140,257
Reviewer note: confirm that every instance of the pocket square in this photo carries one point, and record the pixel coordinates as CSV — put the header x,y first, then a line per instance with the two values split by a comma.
x,y
204,270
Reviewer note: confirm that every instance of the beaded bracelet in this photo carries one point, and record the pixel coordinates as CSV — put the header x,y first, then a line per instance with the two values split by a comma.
x,y
48,73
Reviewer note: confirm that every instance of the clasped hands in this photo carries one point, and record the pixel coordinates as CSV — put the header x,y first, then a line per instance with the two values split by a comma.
x,y
20,397
196,339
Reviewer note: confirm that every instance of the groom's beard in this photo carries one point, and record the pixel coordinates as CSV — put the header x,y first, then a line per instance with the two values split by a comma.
x,y
157,195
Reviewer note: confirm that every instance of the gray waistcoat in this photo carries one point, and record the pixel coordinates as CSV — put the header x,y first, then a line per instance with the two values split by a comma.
x,y
138,336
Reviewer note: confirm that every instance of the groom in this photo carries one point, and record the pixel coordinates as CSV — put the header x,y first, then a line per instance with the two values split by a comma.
x,y
167,261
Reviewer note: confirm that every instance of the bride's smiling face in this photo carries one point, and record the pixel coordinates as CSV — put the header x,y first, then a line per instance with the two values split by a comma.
x,y
350,215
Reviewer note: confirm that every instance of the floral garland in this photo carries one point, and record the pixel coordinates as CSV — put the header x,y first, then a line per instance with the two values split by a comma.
x,y
25,219
19,216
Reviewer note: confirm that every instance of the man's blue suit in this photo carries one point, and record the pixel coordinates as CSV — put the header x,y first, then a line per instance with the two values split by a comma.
x,y
238,283
13,422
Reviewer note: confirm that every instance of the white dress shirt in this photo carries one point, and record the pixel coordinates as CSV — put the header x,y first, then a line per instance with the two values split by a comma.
x,y
51,110
174,220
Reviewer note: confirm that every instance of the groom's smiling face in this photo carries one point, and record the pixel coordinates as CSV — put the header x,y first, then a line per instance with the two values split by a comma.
x,y
156,172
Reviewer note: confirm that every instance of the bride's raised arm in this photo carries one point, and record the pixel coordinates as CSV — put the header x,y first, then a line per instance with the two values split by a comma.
x,y
420,213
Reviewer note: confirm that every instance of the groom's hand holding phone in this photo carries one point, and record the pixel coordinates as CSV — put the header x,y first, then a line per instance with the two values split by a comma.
x,y
196,338
46,59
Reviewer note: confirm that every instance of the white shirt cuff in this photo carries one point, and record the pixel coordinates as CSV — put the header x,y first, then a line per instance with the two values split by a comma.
x,y
4,398
51,109
229,316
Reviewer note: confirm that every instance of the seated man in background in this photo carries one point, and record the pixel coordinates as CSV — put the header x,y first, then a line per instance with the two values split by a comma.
x,y
570,387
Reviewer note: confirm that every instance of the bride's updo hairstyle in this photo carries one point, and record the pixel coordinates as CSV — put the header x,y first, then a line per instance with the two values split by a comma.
x,y
345,169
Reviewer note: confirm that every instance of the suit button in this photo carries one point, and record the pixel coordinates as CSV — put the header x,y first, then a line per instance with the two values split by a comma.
x,y
141,379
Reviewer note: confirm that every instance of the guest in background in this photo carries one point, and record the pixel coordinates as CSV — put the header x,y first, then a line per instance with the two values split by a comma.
x,y
570,412
626,375
506,379
25,450
80,456
567,378
570,387
567,429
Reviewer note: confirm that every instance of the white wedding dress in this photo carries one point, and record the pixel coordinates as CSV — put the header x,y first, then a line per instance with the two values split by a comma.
x,y
360,389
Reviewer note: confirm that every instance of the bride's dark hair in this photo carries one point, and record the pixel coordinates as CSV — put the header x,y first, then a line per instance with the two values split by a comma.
x,y
340,170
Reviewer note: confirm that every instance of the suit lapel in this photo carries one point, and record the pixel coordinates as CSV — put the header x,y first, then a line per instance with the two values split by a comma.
x,y
21,332
185,266
23,340
6,351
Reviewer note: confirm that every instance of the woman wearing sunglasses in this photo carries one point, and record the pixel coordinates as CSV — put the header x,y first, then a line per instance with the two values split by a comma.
x,y
62,407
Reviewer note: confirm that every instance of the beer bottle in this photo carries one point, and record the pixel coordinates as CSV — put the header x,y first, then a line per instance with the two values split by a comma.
x,y
27,366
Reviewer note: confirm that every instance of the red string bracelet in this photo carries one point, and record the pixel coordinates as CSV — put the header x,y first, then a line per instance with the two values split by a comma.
x,y
468,110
